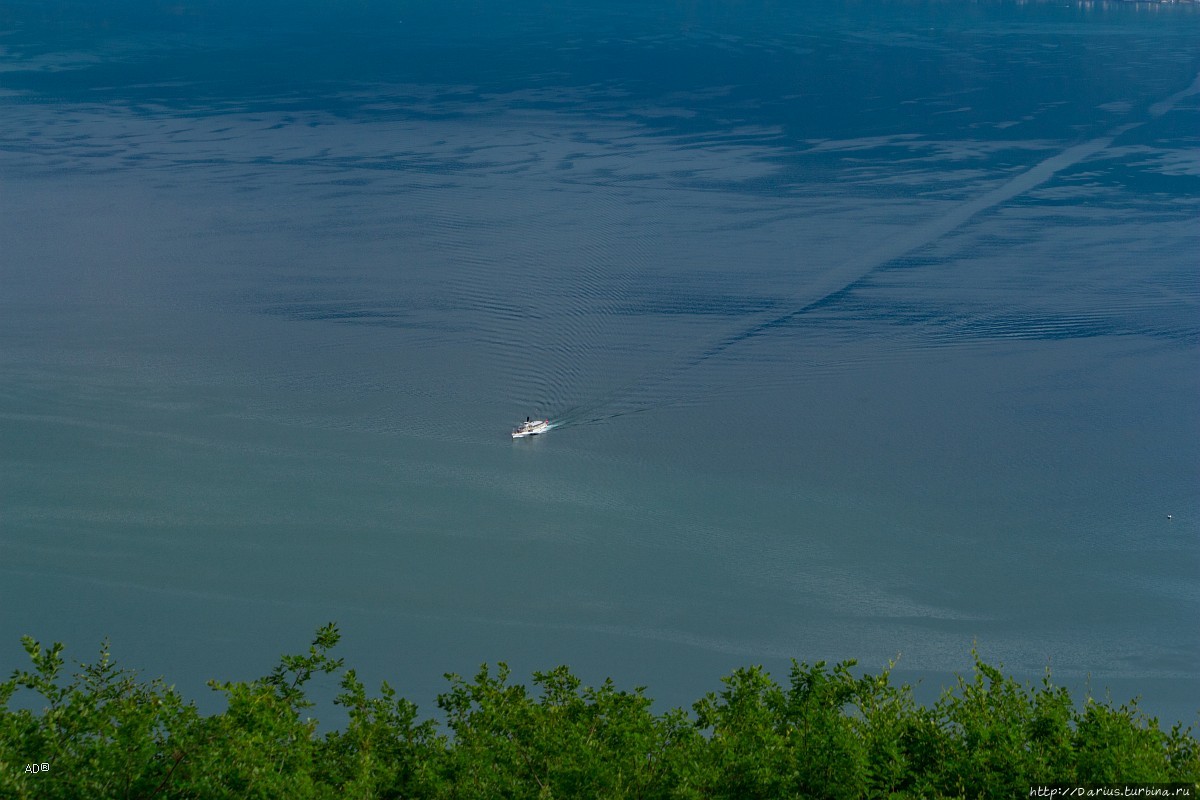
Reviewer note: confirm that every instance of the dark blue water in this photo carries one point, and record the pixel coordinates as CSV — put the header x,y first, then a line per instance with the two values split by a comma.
x,y
869,330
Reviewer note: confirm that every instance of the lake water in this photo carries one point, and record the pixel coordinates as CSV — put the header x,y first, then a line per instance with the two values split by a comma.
x,y
871,330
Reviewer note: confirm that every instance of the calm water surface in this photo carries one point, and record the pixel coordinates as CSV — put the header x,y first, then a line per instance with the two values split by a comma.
x,y
870,329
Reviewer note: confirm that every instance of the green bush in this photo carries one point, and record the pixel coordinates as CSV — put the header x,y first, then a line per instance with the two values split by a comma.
x,y
827,734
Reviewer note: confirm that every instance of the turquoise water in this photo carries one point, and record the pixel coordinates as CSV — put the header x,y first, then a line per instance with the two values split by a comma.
x,y
870,330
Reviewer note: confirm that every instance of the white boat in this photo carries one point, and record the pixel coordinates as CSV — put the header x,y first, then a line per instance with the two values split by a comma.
x,y
531,427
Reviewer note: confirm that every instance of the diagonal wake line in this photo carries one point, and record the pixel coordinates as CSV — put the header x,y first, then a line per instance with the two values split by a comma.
x,y
855,269
845,275
1163,106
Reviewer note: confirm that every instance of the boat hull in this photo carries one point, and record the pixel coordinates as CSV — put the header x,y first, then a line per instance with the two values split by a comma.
x,y
531,429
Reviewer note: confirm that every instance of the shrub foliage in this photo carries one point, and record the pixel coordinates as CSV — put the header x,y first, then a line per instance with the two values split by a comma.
x,y
103,733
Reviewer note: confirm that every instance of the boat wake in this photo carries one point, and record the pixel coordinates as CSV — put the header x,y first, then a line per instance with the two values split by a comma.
x,y
643,393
